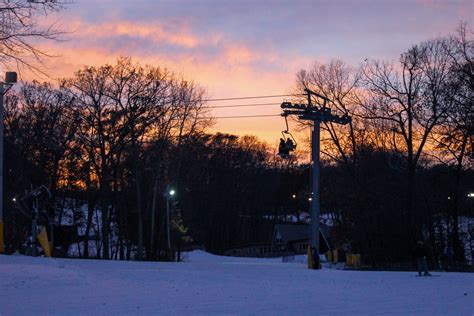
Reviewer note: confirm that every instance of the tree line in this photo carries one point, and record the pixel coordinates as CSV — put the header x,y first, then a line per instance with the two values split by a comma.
x,y
106,133
120,136
404,164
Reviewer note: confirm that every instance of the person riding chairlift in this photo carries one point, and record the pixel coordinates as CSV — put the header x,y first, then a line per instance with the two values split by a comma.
x,y
285,147
289,144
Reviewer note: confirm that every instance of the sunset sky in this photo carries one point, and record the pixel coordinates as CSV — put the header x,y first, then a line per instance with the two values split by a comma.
x,y
247,48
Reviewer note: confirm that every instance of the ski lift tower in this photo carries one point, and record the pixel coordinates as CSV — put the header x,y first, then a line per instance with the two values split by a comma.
x,y
10,79
316,114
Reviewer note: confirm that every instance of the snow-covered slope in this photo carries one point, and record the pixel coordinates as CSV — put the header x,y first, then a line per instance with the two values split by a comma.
x,y
208,284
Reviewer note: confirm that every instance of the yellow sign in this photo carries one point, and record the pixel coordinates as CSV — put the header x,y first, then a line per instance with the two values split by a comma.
x,y
43,240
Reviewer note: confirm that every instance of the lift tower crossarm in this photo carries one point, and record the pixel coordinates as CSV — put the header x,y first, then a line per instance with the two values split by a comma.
x,y
309,93
308,112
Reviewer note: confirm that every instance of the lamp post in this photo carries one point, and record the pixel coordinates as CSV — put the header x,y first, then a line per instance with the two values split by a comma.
x,y
295,210
470,196
169,194
10,79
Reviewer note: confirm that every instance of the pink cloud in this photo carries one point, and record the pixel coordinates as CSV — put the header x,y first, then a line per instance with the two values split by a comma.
x,y
155,32
235,69
93,44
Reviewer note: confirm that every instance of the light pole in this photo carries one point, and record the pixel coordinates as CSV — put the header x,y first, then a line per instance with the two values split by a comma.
x,y
169,194
295,210
470,196
10,79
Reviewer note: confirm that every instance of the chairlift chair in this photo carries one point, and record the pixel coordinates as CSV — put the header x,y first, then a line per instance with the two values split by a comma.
x,y
283,151
287,144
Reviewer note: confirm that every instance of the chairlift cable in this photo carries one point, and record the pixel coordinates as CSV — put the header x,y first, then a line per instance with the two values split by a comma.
x,y
254,97
246,116
241,105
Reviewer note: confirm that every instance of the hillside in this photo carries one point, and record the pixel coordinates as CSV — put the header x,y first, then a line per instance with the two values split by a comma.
x,y
209,284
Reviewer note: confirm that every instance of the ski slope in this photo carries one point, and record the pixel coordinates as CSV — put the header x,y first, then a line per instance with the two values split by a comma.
x,y
209,284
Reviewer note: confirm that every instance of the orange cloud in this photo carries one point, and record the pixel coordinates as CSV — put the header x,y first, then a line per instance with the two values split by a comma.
x,y
234,69
150,31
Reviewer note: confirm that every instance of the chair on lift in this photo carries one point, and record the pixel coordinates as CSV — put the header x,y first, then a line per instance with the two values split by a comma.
x,y
288,145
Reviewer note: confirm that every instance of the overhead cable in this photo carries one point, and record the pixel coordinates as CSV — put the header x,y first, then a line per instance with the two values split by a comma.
x,y
254,97
240,105
246,116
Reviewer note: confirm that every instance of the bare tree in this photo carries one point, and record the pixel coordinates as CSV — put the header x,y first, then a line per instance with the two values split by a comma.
x,y
132,116
339,83
20,30
412,99
139,94
455,137
182,116
97,133
48,125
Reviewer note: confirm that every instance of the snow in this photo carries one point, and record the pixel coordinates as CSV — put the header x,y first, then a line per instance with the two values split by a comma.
x,y
209,284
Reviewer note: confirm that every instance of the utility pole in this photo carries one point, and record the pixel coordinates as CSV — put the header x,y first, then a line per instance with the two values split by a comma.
x,y
10,79
169,194
168,239
316,114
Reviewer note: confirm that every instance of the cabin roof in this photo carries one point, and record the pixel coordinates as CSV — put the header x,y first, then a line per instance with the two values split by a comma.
x,y
296,232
